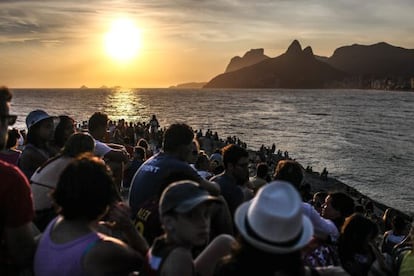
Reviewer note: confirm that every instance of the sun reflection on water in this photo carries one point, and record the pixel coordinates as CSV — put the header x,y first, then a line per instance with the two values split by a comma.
x,y
126,104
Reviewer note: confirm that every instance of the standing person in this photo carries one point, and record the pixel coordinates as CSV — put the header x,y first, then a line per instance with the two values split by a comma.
x,y
71,245
272,231
185,216
236,172
38,148
153,126
17,245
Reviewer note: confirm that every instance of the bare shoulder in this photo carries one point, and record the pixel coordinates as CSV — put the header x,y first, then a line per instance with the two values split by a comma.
x,y
111,256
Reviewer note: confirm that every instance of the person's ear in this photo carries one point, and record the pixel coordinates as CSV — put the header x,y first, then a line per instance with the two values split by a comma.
x,y
168,222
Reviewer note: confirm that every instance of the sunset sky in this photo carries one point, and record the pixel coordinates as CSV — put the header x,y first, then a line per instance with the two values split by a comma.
x,y
65,43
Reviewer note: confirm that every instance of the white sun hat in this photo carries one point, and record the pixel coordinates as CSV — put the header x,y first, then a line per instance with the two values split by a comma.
x,y
273,220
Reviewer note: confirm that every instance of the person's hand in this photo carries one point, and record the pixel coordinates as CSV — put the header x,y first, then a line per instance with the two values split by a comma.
x,y
118,217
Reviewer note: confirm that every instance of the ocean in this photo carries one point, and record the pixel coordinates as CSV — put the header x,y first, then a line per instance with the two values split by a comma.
x,y
364,138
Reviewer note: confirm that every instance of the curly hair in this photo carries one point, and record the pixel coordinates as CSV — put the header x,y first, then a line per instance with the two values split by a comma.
x,y
85,189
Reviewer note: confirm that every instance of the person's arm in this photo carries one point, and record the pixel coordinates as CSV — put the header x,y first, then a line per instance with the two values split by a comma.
x,y
21,243
111,257
117,155
179,262
212,187
118,218
19,231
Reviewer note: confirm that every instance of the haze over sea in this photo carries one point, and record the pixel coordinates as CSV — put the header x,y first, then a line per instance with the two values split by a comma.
x,y
364,138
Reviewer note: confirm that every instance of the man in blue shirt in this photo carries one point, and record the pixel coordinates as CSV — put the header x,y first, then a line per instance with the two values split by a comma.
x,y
148,180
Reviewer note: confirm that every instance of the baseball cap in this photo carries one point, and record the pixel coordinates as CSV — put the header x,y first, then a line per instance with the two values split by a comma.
x,y
183,196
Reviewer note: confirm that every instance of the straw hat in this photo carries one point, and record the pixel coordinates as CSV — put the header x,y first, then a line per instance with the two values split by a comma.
x,y
273,220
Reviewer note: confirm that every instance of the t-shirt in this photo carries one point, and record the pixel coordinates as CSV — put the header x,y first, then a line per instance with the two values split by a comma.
x,y
153,174
16,205
147,220
232,193
12,157
407,264
101,149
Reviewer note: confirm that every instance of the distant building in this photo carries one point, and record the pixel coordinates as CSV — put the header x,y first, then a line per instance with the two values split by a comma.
x,y
412,83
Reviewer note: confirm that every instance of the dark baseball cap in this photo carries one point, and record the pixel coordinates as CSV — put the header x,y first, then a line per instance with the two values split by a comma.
x,y
183,196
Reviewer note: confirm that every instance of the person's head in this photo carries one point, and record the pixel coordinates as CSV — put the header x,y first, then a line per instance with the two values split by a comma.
x,y
140,153
12,138
337,207
6,119
356,233
64,129
318,200
78,143
192,157
184,209
236,162
178,140
40,127
262,170
85,189
387,218
290,171
203,162
273,220
399,225
143,143
97,125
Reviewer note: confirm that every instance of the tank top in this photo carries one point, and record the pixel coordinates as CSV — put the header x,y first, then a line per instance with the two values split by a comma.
x,y
62,259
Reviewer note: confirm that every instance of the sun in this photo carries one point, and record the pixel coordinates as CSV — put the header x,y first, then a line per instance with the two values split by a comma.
x,y
123,41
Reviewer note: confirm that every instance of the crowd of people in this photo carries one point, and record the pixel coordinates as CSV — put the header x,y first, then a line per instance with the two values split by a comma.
x,y
123,198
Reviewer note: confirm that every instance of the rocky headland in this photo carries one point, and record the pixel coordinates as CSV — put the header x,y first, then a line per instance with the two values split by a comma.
x,y
379,66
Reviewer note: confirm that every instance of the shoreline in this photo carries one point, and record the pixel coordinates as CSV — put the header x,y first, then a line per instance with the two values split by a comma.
x,y
317,184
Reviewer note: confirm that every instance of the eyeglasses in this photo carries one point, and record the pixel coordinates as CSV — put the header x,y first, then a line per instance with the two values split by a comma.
x,y
8,119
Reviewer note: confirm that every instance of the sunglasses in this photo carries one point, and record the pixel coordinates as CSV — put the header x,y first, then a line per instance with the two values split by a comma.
x,y
8,119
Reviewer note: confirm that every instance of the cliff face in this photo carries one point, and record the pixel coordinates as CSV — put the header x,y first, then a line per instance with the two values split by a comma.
x,y
251,57
379,60
296,68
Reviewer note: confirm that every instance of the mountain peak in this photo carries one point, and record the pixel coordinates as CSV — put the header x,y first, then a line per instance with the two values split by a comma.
x,y
308,51
294,48
251,57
